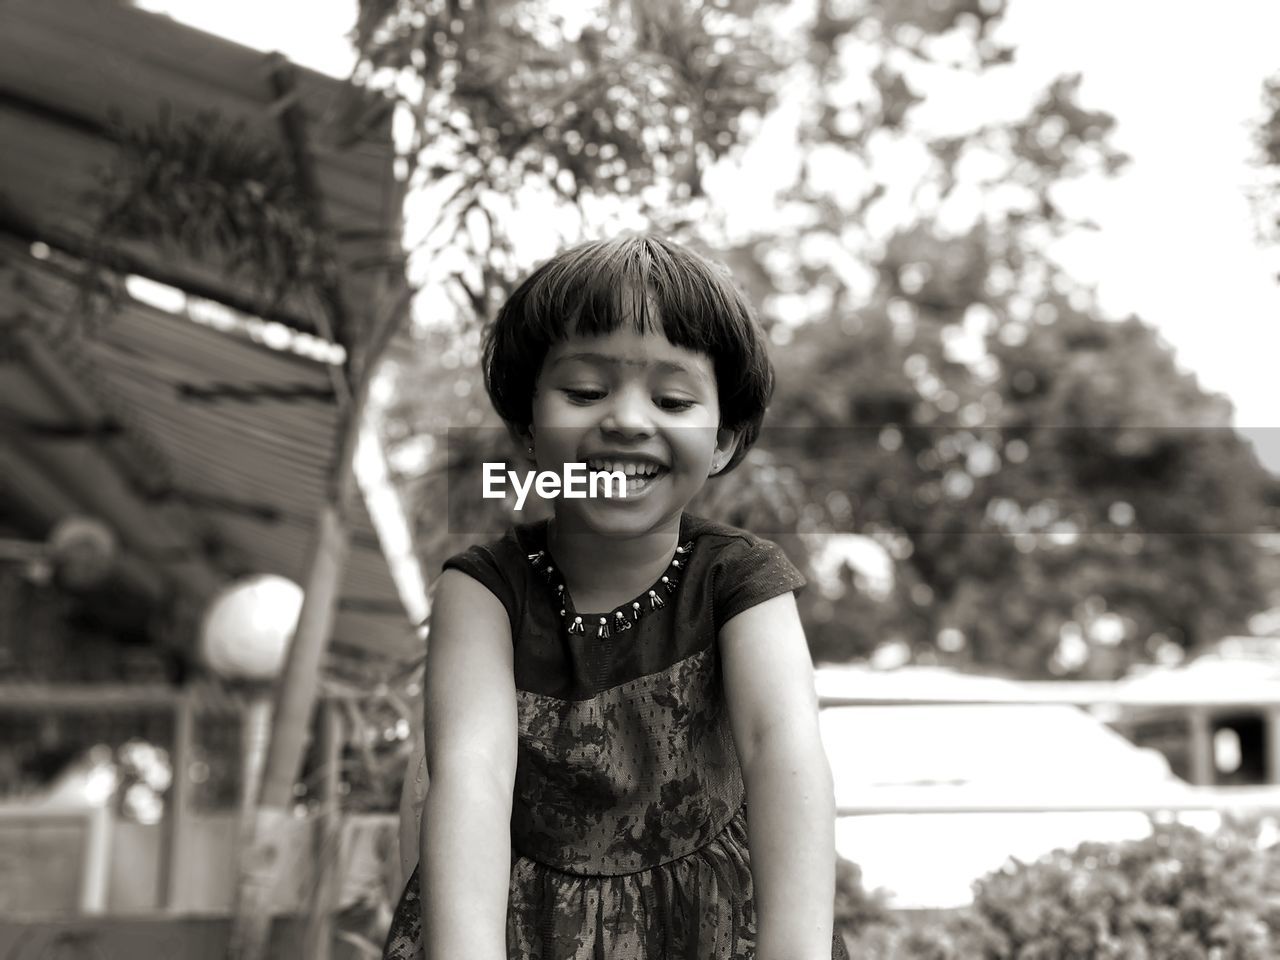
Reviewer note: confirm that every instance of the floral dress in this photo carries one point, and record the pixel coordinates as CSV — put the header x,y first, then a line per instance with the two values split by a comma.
x,y
628,828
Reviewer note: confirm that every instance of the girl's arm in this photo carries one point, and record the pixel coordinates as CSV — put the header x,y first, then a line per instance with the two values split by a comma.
x,y
470,734
773,710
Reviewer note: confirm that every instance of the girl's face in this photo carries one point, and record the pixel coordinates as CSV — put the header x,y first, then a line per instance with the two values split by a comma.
x,y
634,402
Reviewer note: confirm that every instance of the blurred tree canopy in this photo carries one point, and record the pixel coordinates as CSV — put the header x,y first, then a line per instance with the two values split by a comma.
x,y
1267,144
1055,495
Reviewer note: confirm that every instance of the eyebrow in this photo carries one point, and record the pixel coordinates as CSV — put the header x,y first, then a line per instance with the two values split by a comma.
x,y
662,366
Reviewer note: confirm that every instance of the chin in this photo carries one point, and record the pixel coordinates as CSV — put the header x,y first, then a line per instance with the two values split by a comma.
x,y
620,520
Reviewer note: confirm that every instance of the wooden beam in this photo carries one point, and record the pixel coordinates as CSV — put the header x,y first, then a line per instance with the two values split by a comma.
x,y
87,698
1200,742
131,259
327,845
177,821
127,697
338,324
253,392
255,734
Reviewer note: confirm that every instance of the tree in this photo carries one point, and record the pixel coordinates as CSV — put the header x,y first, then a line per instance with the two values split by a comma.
x,y
1266,139
611,121
1057,496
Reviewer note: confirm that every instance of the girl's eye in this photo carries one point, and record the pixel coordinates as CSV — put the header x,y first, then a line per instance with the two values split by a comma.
x,y
675,403
583,394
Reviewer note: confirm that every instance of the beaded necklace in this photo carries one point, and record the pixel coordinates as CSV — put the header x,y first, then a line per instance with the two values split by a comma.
x,y
622,618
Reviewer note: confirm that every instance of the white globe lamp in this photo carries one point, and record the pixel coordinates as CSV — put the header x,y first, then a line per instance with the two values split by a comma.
x,y
248,625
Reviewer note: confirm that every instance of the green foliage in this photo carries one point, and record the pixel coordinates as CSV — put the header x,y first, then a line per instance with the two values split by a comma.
x,y
633,97
1268,133
1266,138
856,909
1177,895
1037,471
1065,472
210,189
641,97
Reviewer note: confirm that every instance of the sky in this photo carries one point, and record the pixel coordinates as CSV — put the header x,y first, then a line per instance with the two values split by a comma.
x,y
1176,244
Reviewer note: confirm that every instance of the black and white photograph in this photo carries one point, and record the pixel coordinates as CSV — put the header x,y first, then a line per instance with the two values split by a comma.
x,y
639,480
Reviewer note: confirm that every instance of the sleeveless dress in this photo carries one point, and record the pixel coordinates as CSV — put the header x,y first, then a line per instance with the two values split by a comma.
x,y
628,828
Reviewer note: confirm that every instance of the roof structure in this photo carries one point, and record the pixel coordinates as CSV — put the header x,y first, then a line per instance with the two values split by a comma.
x,y
184,426
74,73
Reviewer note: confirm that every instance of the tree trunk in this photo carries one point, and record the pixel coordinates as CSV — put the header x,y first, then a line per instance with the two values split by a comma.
x,y
297,688
295,699
255,861
327,842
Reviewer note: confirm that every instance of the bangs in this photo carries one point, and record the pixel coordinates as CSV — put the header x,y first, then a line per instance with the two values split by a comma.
x,y
646,283
643,283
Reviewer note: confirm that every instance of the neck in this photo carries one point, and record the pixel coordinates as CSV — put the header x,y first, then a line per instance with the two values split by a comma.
x,y
602,572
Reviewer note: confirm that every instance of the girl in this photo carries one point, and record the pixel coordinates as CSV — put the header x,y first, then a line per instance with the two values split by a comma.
x,y
621,727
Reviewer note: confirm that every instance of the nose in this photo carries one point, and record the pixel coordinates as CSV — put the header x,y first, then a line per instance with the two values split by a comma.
x,y
628,414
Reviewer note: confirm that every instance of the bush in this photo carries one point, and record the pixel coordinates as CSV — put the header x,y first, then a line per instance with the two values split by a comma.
x,y
856,909
1176,895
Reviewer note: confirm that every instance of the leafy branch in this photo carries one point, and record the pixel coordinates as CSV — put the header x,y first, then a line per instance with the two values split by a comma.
x,y
207,187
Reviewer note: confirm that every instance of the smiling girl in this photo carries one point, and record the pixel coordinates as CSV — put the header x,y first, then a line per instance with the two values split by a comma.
x,y
621,726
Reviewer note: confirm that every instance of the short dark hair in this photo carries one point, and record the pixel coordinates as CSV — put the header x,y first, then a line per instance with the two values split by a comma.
x,y
650,282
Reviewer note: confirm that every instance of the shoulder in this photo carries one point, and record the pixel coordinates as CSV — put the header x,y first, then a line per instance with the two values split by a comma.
x,y
501,552
732,550
501,565
744,569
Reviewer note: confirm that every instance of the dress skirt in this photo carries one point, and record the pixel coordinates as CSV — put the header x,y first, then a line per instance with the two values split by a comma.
x,y
698,907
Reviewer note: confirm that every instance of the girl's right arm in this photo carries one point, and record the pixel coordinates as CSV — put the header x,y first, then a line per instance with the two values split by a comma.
x,y
470,736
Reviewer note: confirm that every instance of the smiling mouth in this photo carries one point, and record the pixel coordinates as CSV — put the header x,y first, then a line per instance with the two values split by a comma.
x,y
640,474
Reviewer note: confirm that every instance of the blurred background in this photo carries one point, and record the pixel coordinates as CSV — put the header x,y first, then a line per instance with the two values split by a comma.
x,y
1020,264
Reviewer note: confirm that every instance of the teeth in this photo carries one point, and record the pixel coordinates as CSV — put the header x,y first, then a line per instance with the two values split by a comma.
x,y
630,468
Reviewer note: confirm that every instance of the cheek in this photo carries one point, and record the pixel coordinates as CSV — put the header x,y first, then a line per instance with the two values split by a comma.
x,y
697,446
558,427
548,408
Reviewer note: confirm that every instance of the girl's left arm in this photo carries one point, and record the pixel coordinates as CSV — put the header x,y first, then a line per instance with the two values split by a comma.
x,y
773,710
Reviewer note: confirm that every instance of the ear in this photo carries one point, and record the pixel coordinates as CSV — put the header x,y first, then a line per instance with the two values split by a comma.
x,y
726,445
522,437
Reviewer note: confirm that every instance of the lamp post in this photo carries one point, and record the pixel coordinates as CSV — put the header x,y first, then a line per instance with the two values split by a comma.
x,y
244,638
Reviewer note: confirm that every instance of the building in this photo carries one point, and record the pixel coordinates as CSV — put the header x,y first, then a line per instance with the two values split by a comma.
x,y
1215,717
191,411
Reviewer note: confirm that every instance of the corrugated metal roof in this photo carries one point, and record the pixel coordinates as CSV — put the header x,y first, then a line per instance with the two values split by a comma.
x,y
213,447
247,471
